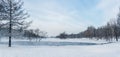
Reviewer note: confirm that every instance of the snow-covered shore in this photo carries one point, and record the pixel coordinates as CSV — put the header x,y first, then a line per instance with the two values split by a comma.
x,y
60,48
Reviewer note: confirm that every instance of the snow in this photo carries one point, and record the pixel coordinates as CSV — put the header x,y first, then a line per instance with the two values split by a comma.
x,y
52,47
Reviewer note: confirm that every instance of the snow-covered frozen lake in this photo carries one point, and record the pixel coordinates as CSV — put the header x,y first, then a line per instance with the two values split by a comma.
x,y
52,47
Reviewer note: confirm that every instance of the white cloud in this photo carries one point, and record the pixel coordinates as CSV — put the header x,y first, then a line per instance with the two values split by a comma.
x,y
52,17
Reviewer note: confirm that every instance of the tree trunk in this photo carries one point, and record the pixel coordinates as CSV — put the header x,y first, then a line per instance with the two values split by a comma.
x,y
116,38
9,41
10,25
10,34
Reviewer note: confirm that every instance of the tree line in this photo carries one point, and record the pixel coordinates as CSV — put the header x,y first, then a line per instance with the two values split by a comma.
x,y
109,32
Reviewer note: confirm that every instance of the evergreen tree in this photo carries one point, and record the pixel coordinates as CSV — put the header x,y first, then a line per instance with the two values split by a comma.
x,y
13,14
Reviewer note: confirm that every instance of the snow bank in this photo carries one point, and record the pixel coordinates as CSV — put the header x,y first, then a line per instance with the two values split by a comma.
x,y
104,50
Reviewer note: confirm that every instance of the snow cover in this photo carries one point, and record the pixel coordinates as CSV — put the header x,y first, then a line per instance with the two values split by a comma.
x,y
52,47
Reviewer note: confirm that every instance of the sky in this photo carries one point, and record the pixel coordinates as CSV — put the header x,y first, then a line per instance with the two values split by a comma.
x,y
70,16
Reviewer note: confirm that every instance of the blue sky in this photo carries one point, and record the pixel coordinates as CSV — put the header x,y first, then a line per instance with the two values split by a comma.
x,y
71,16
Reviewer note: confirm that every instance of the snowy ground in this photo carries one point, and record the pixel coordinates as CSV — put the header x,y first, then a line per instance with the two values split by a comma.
x,y
60,48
